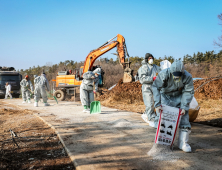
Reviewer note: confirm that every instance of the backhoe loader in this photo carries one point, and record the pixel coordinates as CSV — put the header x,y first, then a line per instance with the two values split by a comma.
x,y
69,84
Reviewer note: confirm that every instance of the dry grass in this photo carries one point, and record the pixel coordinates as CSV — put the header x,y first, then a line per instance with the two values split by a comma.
x,y
207,104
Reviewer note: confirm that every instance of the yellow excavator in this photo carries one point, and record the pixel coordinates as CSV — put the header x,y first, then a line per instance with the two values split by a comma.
x,y
67,84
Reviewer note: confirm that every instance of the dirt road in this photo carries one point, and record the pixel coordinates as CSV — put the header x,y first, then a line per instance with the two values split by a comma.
x,y
116,139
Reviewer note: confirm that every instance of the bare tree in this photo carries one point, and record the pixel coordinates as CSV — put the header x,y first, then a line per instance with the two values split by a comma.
x,y
219,42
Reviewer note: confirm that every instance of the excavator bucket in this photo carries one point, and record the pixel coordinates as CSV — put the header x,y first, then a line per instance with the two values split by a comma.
x,y
127,77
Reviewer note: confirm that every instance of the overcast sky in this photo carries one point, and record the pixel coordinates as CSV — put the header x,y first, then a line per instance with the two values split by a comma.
x,y
36,32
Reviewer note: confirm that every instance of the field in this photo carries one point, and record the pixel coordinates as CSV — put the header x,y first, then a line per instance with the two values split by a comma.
x,y
36,145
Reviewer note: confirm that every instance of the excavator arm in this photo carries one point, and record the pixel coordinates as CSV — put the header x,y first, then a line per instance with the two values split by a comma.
x,y
121,53
69,84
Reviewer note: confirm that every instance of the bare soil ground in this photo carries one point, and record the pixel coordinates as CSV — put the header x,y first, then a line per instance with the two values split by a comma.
x,y
36,145
210,112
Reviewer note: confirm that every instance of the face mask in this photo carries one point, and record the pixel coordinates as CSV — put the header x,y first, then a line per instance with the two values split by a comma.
x,y
150,61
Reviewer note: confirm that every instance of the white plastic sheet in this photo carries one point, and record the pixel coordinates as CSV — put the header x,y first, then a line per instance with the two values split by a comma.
x,y
167,126
194,104
165,64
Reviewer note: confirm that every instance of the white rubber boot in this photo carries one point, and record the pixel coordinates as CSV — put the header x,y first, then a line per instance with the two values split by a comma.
x,y
152,124
183,139
24,102
36,104
144,117
86,109
46,104
29,101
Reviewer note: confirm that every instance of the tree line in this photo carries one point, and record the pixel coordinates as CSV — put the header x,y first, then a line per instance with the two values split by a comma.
x,y
199,65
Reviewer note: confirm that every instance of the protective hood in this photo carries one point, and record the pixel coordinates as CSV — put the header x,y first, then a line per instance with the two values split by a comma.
x,y
177,67
147,57
43,75
143,62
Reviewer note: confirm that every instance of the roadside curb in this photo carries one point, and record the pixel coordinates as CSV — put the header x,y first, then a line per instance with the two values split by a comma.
x,y
61,140
58,134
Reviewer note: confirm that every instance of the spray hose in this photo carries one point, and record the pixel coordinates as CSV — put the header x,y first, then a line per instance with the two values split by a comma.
x,y
216,78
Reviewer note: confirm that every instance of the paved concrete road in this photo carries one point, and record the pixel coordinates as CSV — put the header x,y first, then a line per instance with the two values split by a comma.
x,y
117,139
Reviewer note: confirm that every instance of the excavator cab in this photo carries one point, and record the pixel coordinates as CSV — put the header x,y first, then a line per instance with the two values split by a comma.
x,y
78,74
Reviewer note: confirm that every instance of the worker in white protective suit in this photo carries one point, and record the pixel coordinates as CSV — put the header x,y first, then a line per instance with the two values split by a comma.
x,y
41,85
8,88
97,73
147,74
86,90
174,87
26,88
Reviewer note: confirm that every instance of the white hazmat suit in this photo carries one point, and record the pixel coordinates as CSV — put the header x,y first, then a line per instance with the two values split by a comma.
x,y
174,87
8,91
146,73
25,85
86,90
41,85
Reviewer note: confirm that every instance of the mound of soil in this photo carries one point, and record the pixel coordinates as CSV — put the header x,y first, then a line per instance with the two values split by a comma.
x,y
124,92
210,88
128,96
132,93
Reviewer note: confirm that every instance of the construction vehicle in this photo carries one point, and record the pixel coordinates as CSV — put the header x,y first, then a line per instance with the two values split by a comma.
x,y
69,84
10,75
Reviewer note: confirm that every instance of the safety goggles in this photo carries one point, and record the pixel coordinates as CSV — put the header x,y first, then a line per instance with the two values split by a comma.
x,y
177,74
